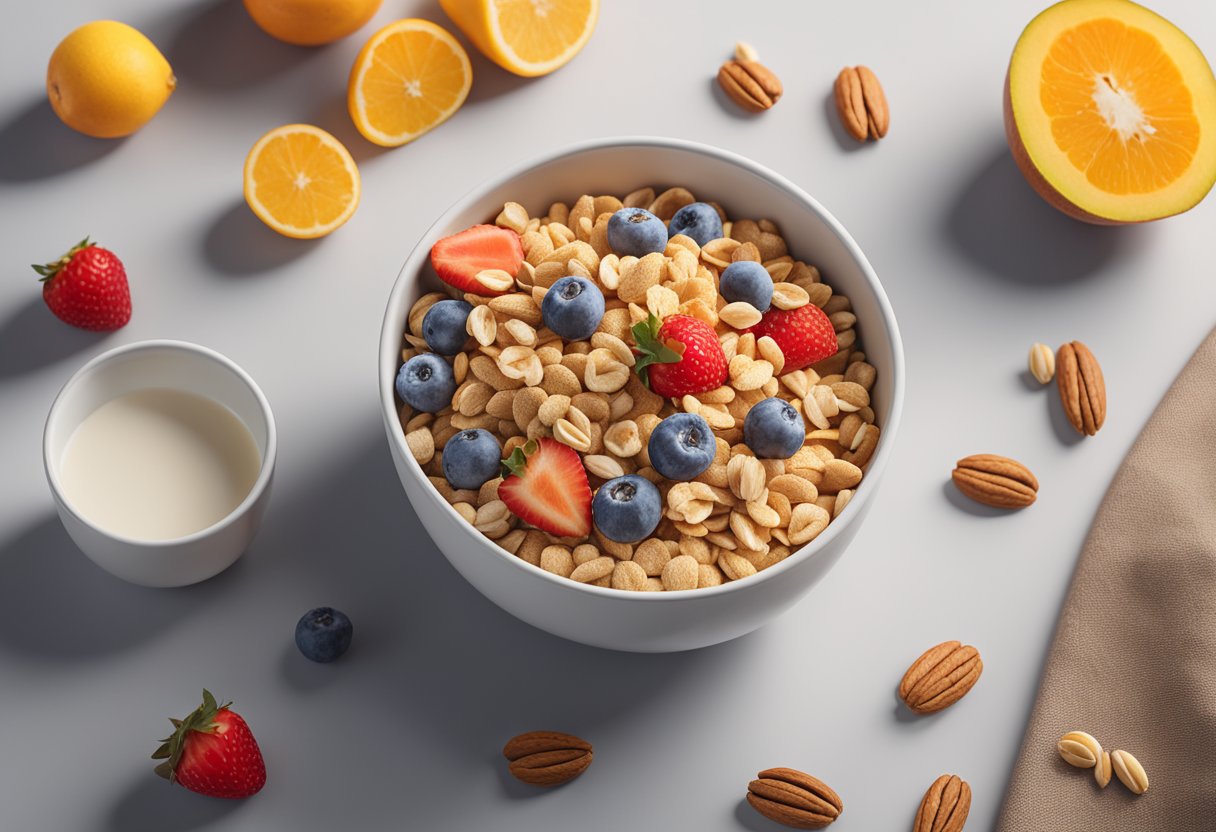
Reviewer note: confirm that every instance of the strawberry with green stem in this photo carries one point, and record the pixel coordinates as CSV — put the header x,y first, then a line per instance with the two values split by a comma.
x,y
87,288
678,356
212,752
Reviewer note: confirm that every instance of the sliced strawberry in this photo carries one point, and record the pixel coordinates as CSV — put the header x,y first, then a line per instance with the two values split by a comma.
x,y
457,259
805,335
682,356
546,486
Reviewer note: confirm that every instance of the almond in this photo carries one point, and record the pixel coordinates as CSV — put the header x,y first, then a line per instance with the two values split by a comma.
x,y
1079,749
1082,387
995,481
945,806
1129,771
940,677
547,758
794,798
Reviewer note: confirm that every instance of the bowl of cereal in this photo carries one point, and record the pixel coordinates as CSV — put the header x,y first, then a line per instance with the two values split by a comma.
x,y
640,391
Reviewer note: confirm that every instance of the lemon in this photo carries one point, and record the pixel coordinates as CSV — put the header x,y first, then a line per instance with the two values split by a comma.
x,y
107,79
527,37
311,22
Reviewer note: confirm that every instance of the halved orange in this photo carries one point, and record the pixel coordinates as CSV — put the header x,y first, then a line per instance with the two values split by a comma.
x,y
1110,111
301,181
527,37
409,78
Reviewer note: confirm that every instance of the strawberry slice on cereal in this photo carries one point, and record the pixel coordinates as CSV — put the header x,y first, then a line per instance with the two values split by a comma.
x,y
459,258
546,485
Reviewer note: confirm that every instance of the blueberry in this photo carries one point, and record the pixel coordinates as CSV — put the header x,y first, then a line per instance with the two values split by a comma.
x,y
636,231
699,221
470,458
747,281
682,446
443,326
773,429
572,308
426,383
323,634
627,509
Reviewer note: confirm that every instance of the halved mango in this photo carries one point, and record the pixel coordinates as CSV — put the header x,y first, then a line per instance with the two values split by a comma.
x,y
1110,111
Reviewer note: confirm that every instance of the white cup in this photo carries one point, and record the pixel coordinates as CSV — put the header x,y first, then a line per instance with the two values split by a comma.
x,y
174,365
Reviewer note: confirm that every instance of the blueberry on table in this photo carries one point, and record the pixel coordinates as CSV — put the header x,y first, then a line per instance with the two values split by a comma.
x,y
700,220
636,232
572,308
443,326
682,446
323,634
426,383
627,509
471,458
749,282
773,429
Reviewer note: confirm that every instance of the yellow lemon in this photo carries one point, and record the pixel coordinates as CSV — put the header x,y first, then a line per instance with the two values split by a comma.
x,y
311,22
527,37
301,181
107,79
409,78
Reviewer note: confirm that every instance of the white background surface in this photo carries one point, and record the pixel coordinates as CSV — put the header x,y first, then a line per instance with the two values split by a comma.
x,y
405,731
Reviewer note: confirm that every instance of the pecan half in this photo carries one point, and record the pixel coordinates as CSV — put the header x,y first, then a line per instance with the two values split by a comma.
x,y
794,798
547,758
996,481
750,84
1082,387
945,806
940,677
862,104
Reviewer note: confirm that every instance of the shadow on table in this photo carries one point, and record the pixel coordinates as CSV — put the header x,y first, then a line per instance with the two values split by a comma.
x,y
451,664
238,244
35,144
153,805
1011,233
68,609
216,45
33,338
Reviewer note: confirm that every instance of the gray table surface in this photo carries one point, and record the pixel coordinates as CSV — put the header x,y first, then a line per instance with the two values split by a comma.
x,y
405,731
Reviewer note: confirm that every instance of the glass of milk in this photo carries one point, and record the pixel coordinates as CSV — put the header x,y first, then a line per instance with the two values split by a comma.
x,y
160,456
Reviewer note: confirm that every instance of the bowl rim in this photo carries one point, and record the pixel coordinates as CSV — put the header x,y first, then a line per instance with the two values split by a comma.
x,y
390,351
265,470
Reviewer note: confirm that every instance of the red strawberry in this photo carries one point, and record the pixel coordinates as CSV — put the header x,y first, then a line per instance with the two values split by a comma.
x,y
805,335
680,357
546,485
87,287
212,752
457,259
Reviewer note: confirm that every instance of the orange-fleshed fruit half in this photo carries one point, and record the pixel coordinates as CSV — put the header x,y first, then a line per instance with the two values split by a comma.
x,y
301,181
409,78
1110,111
526,37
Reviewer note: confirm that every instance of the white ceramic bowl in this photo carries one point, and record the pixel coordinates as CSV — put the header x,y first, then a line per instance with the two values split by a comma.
x,y
650,621
175,365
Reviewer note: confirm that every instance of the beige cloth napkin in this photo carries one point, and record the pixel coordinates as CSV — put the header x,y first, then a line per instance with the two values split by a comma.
x,y
1134,657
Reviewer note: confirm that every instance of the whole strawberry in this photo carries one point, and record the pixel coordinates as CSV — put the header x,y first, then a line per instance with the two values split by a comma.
x,y
678,357
805,335
87,288
212,752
